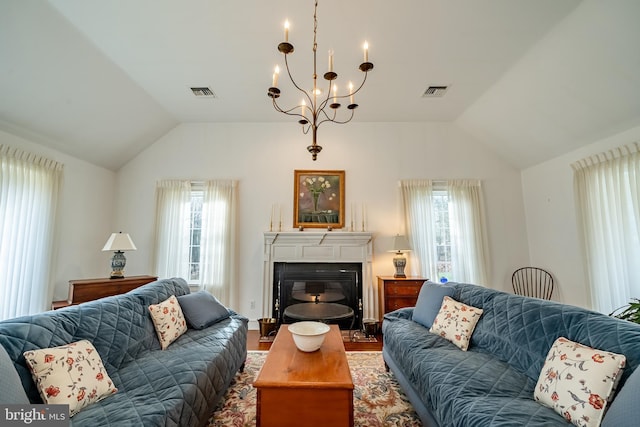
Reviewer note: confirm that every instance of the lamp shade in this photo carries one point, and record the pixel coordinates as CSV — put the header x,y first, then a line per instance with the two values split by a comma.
x,y
119,242
400,244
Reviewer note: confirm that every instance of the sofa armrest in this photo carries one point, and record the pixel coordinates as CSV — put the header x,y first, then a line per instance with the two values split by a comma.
x,y
402,313
237,315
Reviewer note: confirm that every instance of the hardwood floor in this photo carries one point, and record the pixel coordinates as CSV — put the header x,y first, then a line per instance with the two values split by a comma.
x,y
253,343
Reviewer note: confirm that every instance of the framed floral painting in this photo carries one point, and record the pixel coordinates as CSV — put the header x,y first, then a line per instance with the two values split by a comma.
x,y
318,199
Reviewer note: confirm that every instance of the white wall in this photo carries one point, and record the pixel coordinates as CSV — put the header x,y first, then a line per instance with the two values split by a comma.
x,y
262,157
551,218
85,211
95,201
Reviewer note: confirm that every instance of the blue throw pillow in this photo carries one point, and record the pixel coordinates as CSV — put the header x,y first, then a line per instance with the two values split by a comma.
x,y
11,391
625,404
429,302
201,309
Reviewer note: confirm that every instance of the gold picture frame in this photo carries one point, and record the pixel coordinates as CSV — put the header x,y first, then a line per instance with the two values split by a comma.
x,y
318,199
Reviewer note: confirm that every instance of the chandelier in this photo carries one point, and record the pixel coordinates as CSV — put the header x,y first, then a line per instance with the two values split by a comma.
x,y
316,113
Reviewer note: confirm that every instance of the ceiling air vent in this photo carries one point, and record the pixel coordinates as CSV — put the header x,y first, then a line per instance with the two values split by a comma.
x,y
435,91
203,92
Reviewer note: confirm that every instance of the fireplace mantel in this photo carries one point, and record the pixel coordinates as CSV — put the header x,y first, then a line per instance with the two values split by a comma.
x,y
320,246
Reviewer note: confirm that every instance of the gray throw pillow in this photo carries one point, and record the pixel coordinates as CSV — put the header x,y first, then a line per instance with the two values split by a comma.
x,y
429,302
625,405
201,309
11,391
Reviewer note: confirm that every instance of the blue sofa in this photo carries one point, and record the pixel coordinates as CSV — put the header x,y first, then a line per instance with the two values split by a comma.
x,y
492,384
178,386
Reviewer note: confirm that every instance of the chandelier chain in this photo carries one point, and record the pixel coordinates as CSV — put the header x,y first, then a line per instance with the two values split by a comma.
x,y
315,27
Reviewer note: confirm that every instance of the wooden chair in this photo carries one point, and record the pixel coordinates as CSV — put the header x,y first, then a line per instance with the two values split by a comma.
x,y
532,282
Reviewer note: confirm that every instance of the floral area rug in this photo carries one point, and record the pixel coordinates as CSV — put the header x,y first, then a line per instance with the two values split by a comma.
x,y
377,398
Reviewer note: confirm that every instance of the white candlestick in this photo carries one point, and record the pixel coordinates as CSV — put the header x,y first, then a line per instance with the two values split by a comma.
x,y
286,30
352,213
276,72
335,93
331,60
271,218
351,93
304,107
366,52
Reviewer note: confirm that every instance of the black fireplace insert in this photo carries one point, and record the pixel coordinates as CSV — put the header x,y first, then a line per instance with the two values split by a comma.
x,y
327,292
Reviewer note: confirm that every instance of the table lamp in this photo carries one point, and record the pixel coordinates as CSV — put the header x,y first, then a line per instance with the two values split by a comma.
x,y
118,242
400,244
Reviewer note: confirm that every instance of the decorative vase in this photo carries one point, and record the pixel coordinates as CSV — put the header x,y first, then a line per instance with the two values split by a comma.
x,y
118,262
315,201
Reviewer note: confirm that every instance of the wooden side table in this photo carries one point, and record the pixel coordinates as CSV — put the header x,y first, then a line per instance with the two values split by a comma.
x,y
91,289
398,292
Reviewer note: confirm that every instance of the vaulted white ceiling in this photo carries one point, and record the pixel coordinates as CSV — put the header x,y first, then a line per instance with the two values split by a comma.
x,y
531,78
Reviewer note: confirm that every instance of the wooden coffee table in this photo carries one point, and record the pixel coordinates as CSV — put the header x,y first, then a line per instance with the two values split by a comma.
x,y
305,389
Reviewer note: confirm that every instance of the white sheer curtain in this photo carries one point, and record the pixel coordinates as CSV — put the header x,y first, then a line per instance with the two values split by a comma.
x,y
29,187
469,246
608,204
417,207
173,210
218,240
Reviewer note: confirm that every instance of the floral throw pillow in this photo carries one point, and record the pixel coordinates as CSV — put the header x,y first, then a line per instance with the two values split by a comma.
x,y
168,320
578,381
71,374
456,321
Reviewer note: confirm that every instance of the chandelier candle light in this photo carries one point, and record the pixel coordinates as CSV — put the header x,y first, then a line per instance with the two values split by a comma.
x,y
311,116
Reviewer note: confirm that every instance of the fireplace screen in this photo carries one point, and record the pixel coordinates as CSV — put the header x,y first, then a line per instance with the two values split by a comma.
x,y
327,292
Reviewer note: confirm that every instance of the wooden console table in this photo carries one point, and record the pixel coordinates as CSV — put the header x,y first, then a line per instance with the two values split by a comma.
x,y
91,289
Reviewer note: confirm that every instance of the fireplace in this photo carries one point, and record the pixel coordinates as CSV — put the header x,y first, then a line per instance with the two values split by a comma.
x,y
338,258
329,291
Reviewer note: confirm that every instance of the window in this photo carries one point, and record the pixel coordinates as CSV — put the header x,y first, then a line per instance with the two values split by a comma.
x,y
442,233
608,198
195,234
445,225
28,196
